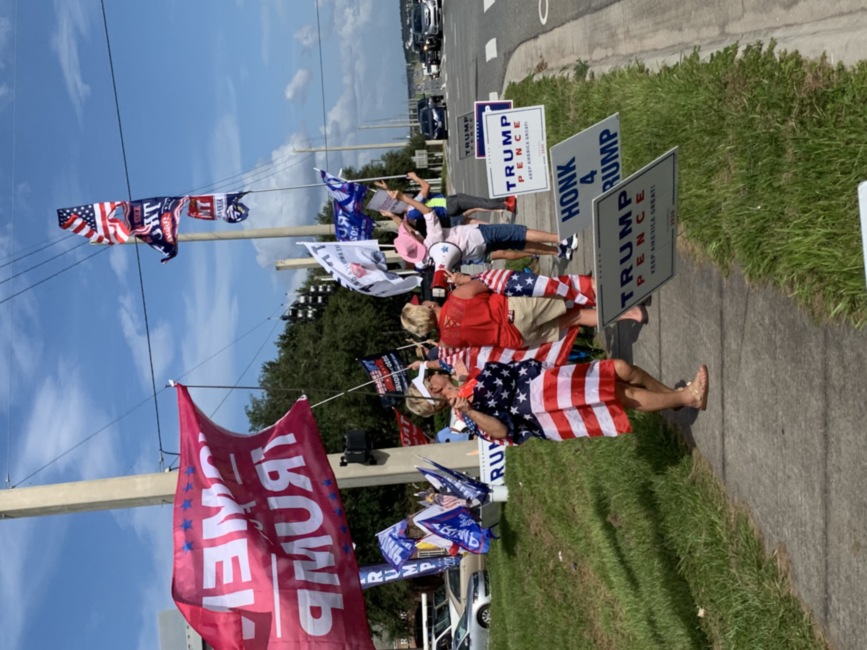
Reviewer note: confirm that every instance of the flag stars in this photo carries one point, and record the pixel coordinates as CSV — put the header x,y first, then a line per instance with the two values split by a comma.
x,y
188,546
190,470
188,487
187,504
186,524
332,496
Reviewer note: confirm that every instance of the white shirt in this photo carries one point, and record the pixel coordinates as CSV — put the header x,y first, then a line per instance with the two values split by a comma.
x,y
468,238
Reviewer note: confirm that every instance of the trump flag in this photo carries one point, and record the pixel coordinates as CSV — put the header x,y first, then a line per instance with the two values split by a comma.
x,y
410,433
263,559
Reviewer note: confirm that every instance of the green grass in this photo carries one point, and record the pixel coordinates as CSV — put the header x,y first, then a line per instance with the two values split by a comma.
x,y
618,543
772,149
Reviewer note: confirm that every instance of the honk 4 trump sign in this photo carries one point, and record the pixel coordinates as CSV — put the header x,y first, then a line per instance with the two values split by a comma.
x,y
262,553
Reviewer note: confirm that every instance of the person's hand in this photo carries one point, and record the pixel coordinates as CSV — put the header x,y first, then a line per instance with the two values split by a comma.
x,y
395,194
415,365
461,404
461,370
381,185
457,278
412,176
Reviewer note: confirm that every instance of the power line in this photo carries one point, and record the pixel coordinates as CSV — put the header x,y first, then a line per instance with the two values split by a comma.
x,y
41,246
137,254
322,84
42,263
53,275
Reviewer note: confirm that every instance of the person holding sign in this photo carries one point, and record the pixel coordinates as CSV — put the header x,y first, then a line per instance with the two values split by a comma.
x,y
521,400
452,209
475,241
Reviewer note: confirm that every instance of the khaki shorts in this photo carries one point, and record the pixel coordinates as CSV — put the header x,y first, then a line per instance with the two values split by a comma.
x,y
537,319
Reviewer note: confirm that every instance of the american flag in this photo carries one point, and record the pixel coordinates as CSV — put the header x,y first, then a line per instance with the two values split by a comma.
x,y
96,222
574,288
550,354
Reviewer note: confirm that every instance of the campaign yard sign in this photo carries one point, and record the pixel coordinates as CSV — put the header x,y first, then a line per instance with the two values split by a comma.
x,y
635,237
467,129
516,151
479,109
583,167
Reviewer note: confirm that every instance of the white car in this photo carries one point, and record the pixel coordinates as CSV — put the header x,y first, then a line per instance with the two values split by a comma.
x,y
471,632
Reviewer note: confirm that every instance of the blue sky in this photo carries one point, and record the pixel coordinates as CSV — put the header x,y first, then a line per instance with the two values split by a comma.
x,y
207,91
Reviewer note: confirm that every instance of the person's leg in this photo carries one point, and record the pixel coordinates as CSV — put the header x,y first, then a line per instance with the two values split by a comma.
x,y
649,400
460,203
509,255
533,248
635,376
589,317
542,237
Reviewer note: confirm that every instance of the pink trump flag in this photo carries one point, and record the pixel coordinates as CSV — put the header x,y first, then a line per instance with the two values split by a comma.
x,y
263,559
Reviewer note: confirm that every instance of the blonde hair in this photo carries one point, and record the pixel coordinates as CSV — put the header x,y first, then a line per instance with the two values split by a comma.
x,y
418,319
421,405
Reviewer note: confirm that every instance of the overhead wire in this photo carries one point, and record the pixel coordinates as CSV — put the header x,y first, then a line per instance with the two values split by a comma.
x,y
139,404
11,320
42,263
137,254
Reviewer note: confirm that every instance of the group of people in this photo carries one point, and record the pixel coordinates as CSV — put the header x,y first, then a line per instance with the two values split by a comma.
x,y
512,402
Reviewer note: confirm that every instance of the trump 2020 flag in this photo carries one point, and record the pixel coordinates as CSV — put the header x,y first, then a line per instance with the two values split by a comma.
x,y
459,527
388,373
395,546
227,207
263,559
410,433
350,223
97,222
155,222
361,266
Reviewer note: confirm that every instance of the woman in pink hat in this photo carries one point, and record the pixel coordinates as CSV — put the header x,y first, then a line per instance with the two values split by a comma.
x,y
475,241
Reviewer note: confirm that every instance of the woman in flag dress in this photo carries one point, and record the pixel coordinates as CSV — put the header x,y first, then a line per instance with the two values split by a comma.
x,y
516,401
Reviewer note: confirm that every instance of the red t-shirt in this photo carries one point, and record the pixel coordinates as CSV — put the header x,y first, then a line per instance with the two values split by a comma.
x,y
478,321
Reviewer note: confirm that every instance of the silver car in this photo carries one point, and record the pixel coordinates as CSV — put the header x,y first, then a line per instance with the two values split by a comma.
x,y
471,632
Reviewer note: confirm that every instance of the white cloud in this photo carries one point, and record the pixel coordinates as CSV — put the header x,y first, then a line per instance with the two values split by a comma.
x,y
296,90
29,557
71,24
306,37
272,13
62,415
161,343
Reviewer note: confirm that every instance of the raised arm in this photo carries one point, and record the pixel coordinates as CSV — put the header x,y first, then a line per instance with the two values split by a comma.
x,y
424,186
435,232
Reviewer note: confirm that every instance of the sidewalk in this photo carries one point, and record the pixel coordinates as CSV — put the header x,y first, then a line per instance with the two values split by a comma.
x,y
785,427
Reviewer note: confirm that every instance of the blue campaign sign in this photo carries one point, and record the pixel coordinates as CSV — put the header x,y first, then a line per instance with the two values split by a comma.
x,y
480,108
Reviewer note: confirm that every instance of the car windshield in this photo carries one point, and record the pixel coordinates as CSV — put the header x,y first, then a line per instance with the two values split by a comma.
x,y
417,25
461,627
453,579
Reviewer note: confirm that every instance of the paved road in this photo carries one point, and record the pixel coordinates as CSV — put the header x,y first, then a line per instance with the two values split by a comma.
x,y
785,429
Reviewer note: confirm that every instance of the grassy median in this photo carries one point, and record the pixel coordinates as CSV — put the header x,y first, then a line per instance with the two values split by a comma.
x,y
772,150
629,543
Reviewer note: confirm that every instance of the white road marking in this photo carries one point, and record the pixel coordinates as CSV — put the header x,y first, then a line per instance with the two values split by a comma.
x,y
491,49
488,4
543,18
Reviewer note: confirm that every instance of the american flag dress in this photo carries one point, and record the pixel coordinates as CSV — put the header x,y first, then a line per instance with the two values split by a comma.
x,y
572,401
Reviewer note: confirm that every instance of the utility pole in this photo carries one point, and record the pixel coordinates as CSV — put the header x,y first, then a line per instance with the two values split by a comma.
x,y
395,465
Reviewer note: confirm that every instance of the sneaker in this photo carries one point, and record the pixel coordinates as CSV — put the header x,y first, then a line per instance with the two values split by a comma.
x,y
565,252
570,242
511,203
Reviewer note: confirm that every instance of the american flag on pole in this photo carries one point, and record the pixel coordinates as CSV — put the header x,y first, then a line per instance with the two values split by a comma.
x,y
574,288
97,222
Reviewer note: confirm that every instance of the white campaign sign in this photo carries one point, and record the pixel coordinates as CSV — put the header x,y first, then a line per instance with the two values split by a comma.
x,y
635,237
516,153
584,166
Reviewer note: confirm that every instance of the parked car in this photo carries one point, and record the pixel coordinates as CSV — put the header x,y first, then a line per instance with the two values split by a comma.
x,y
471,632
432,118
425,22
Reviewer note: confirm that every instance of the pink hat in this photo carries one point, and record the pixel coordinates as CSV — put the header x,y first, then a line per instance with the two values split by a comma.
x,y
408,247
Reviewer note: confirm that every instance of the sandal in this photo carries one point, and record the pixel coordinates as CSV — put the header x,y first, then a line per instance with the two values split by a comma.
x,y
701,396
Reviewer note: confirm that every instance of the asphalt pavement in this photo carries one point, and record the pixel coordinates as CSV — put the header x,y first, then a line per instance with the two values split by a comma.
x,y
786,425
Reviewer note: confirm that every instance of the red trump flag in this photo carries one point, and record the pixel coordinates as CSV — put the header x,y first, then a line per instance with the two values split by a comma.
x,y
410,433
263,559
